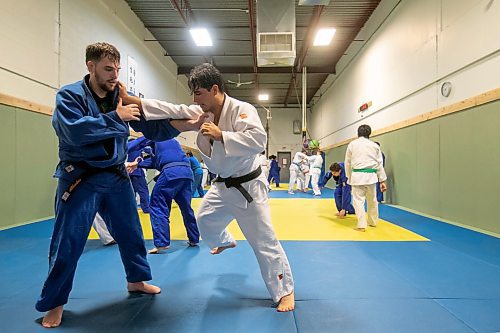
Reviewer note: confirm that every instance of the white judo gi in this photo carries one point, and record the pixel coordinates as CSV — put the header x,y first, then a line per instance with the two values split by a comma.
x,y
237,155
296,171
102,230
264,165
364,168
315,163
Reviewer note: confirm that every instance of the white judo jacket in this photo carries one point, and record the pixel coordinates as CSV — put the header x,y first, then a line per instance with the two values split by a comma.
x,y
363,153
244,137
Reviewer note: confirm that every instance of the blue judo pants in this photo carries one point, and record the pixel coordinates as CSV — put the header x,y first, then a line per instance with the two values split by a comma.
x,y
161,202
141,186
274,175
380,194
73,221
197,186
338,201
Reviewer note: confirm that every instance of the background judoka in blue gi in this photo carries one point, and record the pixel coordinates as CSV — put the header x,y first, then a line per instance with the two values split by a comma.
x,y
173,183
342,192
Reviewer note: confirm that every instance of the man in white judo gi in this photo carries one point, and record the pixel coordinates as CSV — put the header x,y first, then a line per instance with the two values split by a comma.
x,y
364,168
298,168
230,141
315,162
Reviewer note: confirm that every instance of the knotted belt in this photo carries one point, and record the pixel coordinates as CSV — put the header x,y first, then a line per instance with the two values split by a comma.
x,y
89,171
237,181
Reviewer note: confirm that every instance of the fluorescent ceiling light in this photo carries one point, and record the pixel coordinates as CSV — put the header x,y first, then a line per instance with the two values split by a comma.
x,y
263,97
324,36
201,37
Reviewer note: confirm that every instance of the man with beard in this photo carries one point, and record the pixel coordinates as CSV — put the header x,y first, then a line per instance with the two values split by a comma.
x,y
91,124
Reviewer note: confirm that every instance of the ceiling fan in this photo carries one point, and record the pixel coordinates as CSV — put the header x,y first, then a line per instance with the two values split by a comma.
x,y
239,83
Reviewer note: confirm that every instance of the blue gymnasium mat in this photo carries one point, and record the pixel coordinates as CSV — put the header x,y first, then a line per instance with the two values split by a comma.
x,y
449,284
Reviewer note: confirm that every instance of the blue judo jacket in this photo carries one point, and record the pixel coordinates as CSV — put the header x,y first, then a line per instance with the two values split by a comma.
x,y
96,139
135,149
169,158
341,187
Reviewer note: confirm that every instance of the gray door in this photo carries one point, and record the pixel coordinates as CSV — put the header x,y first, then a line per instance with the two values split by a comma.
x,y
284,160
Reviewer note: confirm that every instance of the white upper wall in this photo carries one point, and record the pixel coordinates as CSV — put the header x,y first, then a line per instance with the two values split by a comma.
x,y
43,48
281,137
402,66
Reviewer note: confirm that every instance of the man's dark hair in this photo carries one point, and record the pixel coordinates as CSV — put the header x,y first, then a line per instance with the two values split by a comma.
x,y
335,167
205,76
364,131
189,153
97,51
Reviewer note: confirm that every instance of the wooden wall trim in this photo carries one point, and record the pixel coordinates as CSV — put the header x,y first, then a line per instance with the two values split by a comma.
x,y
487,97
24,104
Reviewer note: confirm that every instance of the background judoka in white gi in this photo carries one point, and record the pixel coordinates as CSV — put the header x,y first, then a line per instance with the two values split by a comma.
x,y
364,168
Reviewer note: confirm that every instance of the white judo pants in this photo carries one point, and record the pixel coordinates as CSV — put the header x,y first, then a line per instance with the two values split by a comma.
x,y
102,230
360,193
221,205
315,173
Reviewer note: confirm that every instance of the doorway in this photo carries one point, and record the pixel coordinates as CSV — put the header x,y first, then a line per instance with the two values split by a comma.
x,y
284,159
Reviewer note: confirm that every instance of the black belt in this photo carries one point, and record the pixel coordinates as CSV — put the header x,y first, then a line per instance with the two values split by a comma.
x,y
237,181
89,171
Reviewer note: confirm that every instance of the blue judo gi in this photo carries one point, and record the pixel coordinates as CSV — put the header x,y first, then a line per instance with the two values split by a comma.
x,y
342,192
138,178
92,178
274,173
197,176
173,183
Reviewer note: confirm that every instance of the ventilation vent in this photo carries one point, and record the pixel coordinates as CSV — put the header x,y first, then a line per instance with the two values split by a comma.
x,y
276,42
275,33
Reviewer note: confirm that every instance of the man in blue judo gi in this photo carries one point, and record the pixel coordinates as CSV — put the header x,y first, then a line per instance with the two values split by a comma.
x,y
197,174
173,183
136,148
380,194
274,171
342,192
91,124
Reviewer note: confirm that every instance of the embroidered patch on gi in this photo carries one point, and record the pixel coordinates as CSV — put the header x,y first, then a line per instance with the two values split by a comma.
x,y
243,116
69,168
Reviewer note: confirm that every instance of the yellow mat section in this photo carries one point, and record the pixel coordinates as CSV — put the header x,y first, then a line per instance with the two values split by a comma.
x,y
299,219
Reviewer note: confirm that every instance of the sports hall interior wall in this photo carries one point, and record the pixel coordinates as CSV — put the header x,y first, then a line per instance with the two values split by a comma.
x,y
444,167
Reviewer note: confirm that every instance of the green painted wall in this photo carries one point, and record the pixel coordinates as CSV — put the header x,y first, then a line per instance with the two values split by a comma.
x,y
446,167
29,158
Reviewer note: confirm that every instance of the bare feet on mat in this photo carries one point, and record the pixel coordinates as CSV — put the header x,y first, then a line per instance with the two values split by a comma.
x,y
360,229
287,303
142,288
158,249
217,250
53,317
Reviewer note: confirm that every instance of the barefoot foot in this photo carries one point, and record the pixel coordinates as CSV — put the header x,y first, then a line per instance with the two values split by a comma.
x,y
287,303
217,250
142,288
53,317
158,249
360,229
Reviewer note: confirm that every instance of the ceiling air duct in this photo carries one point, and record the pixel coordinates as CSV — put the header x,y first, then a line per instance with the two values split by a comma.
x,y
275,33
